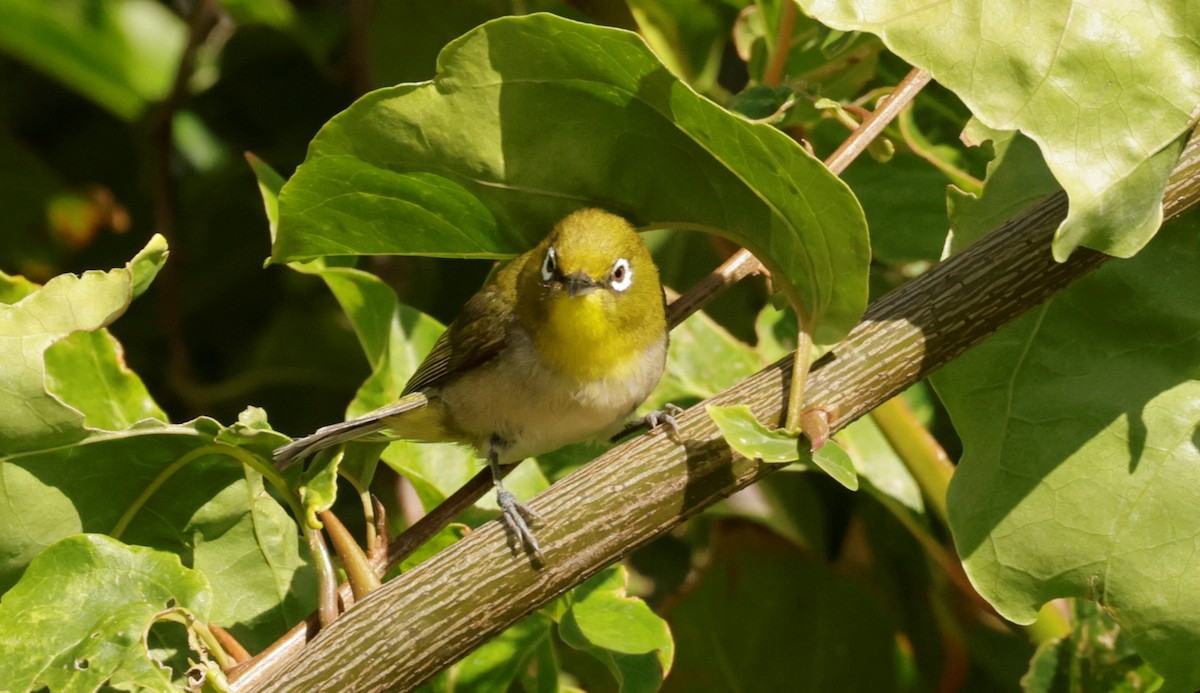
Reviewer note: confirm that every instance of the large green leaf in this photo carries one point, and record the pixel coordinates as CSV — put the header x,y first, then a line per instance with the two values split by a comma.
x,y
78,619
122,54
532,117
31,415
763,617
1080,474
1106,90
179,488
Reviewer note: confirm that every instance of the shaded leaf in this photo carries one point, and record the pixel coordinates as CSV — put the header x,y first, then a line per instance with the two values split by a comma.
x,y
1095,656
763,617
398,173
78,618
1017,177
1105,89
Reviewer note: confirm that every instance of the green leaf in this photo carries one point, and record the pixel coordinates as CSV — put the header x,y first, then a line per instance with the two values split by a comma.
x,y
689,36
702,360
1080,469
87,371
761,616
497,663
1095,656
122,54
78,618
876,460
1017,177
749,438
1106,90
178,488
31,415
399,172
621,631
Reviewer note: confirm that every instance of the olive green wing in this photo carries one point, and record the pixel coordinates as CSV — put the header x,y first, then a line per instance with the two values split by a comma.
x,y
476,336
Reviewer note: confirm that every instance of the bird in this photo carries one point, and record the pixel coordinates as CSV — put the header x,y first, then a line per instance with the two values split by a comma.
x,y
561,345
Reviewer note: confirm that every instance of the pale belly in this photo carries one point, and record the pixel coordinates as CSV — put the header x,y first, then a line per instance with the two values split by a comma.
x,y
536,411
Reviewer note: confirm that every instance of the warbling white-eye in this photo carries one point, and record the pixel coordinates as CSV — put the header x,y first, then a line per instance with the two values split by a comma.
x,y
560,346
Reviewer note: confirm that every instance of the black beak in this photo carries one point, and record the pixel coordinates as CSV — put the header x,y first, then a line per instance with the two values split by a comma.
x,y
578,284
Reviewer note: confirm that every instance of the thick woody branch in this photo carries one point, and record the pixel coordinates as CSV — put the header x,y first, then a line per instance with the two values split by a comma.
x,y
428,618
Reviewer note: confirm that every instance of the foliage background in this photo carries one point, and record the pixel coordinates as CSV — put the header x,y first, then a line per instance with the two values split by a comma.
x,y
794,584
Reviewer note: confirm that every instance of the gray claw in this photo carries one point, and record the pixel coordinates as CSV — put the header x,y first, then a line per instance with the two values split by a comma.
x,y
518,519
666,417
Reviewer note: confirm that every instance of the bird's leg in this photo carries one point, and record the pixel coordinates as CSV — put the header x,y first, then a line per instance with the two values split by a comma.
x,y
516,517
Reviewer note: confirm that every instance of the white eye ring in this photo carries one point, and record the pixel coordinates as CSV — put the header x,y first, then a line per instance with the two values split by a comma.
x,y
549,264
622,275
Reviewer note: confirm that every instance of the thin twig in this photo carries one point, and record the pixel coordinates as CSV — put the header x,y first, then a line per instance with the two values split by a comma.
x,y
742,264
783,46
230,644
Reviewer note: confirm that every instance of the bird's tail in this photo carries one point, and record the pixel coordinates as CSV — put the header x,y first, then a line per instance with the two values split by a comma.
x,y
370,426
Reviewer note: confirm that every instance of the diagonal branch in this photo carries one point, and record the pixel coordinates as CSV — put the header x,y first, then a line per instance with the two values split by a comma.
x,y
435,614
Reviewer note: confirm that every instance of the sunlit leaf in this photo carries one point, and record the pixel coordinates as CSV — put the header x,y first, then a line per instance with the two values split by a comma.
x,y
746,435
1080,474
31,416
78,618
632,641
1105,89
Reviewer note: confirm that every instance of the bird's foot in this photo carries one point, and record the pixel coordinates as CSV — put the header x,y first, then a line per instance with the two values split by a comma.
x,y
518,520
666,417
654,419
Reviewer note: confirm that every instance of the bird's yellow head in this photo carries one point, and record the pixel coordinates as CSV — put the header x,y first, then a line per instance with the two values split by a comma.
x,y
591,297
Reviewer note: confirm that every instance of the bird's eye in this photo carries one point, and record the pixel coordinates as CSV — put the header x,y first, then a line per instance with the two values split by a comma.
x,y
622,275
549,265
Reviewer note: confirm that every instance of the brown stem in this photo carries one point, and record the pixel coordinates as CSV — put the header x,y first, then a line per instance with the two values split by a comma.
x,y
773,75
230,644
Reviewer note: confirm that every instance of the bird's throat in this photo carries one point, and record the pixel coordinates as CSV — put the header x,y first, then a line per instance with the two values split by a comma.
x,y
580,339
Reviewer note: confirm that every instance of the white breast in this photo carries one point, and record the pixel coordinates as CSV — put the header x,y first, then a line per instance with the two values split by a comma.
x,y
536,410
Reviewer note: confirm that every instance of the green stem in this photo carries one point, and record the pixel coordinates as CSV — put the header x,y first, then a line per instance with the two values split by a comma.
x,y
924,148
359,572
801,361
156,483
188,620
326,577
918,450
